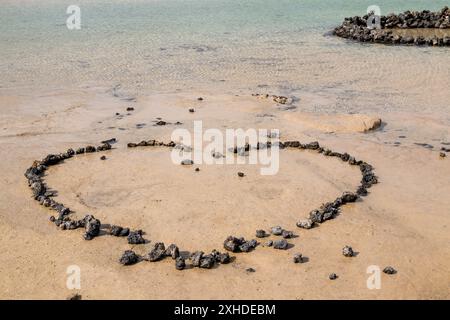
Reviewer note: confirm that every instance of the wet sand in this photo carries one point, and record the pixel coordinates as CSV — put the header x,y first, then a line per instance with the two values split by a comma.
x,y
403,222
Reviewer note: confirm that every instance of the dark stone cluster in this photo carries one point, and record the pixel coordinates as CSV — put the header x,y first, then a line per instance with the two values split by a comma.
x,y
197,259
356,28
44,195
92,226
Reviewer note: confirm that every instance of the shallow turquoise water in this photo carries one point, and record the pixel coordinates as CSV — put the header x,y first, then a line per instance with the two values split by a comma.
x,y
195,44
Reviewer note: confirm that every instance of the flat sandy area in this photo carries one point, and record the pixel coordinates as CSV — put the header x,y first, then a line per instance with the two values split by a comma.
x,y
404,221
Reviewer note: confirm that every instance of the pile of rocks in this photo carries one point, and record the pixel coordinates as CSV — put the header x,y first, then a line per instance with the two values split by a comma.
x,y
357,28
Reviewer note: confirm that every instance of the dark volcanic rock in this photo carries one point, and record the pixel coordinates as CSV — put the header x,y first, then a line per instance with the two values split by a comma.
x,y
333,276
196,258
180,264
389,270
261,234
172,251
347,251
280,244
129,258
298,258
157,253
232,244
92,227
276,231
305,224
224,258
118,231
135,237
287,234
207,262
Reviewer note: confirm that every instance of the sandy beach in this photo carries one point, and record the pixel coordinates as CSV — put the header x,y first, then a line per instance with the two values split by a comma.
x,y
403,221
134,63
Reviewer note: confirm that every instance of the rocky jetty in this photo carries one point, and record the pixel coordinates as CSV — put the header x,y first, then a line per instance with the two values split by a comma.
x,y
363,28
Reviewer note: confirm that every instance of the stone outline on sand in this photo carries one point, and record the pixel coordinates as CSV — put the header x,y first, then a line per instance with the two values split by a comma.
x,y
327,211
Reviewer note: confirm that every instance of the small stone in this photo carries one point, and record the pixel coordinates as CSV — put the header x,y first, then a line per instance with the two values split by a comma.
x,y
298,258
269,243
224,258
305,224
241,174
191,110
287,234
196,258
92,227
280,244
180,264
276,231
389,270
261,234
135,237
347,251
200,99
442,155
157,253
348,197
115,230
250,270
172,251
52,219
125,232
103,158
333,276
207,262
197,169
130,109
247,246
129,257
232,244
